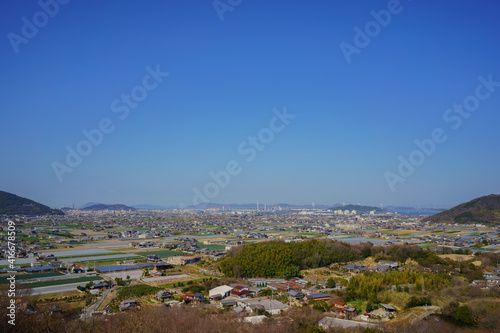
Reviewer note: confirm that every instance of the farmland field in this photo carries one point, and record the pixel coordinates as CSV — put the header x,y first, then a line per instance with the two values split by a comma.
x,y
60,282
3,279
161,253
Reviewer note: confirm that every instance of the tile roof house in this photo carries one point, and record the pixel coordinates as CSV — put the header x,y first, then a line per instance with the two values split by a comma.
x,y
128,304
317,297
219,292
163,294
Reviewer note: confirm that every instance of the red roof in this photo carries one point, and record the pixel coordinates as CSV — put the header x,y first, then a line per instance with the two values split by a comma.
x,y
239,292
238,287
339,303
293,285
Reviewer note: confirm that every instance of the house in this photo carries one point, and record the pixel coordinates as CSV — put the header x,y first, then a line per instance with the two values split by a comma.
x,y
228,303
161,266
194,298
153,257
100,285
339,306
380,268
479,283
391,264
219,292
317,297
239,309
184,260
329,323
163,295
293,285
128,304
240,291
388,308
350,312
355,268
273,307
79,269
255,319
172,303
278,286
295,294
300,281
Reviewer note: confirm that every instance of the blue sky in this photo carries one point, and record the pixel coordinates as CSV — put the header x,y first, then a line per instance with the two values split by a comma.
x,y
353,120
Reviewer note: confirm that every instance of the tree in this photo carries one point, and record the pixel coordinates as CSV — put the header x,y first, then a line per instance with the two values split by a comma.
x,y
330,283
463,316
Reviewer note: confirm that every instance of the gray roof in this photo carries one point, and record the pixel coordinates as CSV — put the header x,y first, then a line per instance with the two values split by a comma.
x,y
328,322
315,296
388,307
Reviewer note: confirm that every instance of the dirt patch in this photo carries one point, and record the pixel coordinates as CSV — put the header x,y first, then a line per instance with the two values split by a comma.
x,y
457,257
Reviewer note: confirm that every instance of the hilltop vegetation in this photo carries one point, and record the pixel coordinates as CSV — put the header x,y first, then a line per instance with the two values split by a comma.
x,y
11,204
484,210
280,259
108,207
357,208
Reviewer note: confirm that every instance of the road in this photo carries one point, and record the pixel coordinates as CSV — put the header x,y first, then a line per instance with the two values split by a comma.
x,y
429,310
58,288
87,313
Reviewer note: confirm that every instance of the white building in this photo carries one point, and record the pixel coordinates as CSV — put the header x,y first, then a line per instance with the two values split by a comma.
x,y
219,292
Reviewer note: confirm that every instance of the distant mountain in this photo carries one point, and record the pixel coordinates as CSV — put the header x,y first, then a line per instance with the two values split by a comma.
x,y
88,204
109,207
357,208
11,204
484,210
207,205
415,208
145,206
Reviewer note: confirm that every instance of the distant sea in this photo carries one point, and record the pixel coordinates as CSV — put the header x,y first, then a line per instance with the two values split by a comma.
x,y
413,212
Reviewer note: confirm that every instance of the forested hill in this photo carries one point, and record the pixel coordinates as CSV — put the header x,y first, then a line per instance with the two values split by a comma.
x,y
109,207
485,210
285,260
11,204
357,208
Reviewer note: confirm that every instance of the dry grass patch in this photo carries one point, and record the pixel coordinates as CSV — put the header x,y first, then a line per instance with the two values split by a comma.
x,y
457,257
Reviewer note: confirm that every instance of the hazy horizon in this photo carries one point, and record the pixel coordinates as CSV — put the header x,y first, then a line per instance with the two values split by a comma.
x,y
175,103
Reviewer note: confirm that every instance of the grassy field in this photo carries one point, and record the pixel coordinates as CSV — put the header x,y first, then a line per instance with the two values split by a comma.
x,y
358,305
111,261
65,281
3,279
90,255
161,253
457,257
215,247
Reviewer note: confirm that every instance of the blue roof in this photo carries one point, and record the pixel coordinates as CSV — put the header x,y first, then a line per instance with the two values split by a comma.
x,y
39,269
145,265
115,268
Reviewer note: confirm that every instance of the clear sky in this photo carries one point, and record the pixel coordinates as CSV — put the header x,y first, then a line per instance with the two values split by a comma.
x,y
72,69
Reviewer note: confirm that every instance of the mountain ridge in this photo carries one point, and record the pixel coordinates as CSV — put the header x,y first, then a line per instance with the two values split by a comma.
x,y
108,207
483,210
11,204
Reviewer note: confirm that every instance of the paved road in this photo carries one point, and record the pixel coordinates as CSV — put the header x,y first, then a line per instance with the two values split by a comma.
x,y
430,309
87,313
58,288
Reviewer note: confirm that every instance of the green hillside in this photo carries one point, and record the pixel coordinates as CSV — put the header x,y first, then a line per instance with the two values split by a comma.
x,y
484,210
11,204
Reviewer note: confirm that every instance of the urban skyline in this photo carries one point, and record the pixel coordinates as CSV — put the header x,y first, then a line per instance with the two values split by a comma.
x,y
392,102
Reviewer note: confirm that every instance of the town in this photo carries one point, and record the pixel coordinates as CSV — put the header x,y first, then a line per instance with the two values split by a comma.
x,y
95,264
